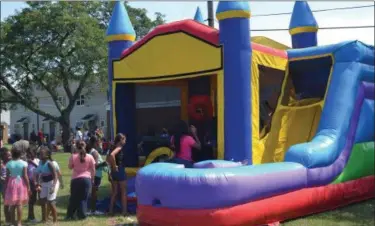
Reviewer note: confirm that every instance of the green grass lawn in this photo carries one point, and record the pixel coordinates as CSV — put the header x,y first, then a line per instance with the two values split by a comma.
x,y
357,214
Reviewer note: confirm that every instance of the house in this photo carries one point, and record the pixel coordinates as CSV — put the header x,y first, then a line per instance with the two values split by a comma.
x,y
161,102
88,112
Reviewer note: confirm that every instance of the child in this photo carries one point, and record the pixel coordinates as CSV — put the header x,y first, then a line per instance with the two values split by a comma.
x,y
182,144
50,211
5,157
18,187
58,172
46,171
100,166
32,164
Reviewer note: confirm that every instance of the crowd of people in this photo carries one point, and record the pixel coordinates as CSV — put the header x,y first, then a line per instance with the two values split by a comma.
x,y
26,179
29,174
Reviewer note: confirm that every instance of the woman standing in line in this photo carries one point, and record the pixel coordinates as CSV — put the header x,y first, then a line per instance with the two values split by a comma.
x,y
83,167
118,175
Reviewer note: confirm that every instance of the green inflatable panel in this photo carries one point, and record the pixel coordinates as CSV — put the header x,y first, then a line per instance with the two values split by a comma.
x,y
360,164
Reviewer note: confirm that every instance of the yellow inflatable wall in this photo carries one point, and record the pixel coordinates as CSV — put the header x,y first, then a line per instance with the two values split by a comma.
x,y
291,124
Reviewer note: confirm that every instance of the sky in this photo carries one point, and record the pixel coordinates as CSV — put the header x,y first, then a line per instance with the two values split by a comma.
x,y
185,10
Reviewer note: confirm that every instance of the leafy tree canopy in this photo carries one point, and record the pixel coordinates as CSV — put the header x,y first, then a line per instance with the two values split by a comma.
x,y
58,47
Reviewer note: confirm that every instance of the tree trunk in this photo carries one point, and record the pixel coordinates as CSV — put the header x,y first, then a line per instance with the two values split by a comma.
x,y
66,134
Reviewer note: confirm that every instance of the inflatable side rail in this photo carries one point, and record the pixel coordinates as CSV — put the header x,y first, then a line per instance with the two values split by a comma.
x,y
324,145
163,184
353,62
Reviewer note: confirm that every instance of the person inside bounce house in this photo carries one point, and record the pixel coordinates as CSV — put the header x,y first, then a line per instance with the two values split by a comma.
x,y
185,138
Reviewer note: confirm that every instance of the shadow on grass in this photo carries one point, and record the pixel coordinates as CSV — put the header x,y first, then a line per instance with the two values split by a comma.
x,y
104,220
361,213
62,202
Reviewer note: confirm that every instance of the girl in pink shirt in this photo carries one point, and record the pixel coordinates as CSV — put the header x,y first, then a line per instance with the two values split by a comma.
x,y
182,143
83,167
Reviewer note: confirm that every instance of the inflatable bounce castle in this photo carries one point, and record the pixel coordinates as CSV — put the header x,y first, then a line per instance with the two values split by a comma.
x,y
301,117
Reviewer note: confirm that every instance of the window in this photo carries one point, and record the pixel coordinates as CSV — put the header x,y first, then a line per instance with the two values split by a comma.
x,y
307,81
81,100
33,126
157,106
157,96
101,123
61,100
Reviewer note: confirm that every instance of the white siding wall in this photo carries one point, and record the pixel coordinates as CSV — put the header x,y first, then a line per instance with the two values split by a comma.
x,y
94,104
19,113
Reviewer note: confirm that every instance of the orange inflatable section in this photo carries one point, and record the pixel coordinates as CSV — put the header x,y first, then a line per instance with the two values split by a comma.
x,y
275,209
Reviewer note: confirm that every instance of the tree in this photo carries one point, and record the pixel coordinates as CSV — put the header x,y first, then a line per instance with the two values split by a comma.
x,y
141,22
4,95
58,47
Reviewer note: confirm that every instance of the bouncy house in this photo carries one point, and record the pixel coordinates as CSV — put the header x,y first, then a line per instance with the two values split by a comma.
x,y
301,117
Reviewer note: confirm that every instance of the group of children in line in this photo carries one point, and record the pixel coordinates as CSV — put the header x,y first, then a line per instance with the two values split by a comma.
x,y
22,180
26,179
87,168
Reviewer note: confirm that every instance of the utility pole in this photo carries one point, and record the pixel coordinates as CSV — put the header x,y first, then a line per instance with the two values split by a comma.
x,y
210,13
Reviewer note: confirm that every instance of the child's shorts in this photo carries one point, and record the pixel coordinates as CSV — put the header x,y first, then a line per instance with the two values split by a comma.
x,y
120,175
45,192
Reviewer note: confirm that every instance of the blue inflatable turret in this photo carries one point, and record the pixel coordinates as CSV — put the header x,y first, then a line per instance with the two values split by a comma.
x,y
303,27
120,36
198,16
234,23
